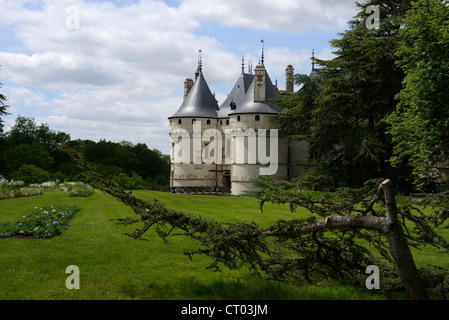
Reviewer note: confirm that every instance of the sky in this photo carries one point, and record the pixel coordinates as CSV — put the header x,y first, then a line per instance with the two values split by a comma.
x,y
115,70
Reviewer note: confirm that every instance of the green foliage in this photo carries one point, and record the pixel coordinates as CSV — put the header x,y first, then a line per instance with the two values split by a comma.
x,y
19,193
29,173
27,131
26,154
82,192
29,143
16,189
45,222
134,182
420,124
341,111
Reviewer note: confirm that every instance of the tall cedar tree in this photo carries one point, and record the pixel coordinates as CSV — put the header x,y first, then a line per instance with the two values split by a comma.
x,y
342,111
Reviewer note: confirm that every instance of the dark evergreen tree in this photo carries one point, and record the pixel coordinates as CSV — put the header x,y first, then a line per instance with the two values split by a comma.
x,y
342,111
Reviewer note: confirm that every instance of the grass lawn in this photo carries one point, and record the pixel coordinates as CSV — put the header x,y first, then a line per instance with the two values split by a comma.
x,y
114,266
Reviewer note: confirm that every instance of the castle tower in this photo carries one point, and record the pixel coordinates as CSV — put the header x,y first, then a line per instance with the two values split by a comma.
x,y
253,140
191,153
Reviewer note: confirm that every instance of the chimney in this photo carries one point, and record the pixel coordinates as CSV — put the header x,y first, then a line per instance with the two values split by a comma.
x,y
289,85
260,86
188,84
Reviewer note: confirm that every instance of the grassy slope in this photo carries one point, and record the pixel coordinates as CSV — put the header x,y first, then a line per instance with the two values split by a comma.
x,y
114,266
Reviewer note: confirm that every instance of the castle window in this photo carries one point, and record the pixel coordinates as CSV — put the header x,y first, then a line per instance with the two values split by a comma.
x,y
221,122
238,118
208,122
179,121
227,122
193,121
206,152
257,118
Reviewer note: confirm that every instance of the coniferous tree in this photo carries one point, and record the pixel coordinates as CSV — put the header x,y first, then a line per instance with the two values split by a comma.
x,y
341,112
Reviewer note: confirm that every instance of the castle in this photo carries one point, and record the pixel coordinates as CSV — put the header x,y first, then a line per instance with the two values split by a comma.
x,y
228,145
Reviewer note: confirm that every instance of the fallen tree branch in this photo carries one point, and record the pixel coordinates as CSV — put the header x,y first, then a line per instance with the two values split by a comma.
x,y
239,244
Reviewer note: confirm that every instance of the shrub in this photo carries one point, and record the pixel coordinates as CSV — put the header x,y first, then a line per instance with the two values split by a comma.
x,y
84,192
135,182
31,174
46,222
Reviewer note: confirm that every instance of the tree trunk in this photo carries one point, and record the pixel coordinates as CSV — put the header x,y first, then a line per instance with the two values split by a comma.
x,y
399,248
390,226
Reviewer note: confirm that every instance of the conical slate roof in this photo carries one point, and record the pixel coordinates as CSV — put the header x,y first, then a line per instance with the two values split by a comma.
x,y
199,103
242,97
237,95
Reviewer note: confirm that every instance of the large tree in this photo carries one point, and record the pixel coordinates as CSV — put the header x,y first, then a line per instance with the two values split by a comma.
x,y
341,111
420,124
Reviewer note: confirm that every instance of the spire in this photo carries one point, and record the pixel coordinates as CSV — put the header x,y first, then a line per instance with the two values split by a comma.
x,y
199,70
313,59
263,49
243,64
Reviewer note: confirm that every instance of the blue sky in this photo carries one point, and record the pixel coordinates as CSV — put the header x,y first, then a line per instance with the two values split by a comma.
x,y
120,73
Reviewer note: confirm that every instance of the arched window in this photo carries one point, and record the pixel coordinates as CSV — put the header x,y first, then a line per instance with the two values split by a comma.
x,y
179,121
208,122
257,118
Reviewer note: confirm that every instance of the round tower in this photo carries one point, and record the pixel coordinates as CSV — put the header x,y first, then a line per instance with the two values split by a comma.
x,y
194,146
257,148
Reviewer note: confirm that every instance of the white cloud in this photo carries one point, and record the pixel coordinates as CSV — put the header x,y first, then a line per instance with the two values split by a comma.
x,y
120,75
281,15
